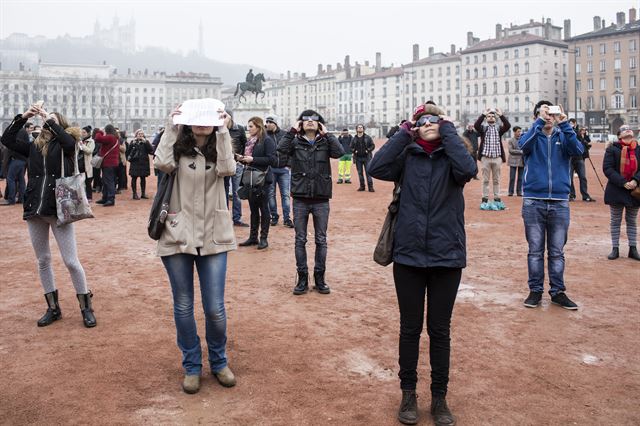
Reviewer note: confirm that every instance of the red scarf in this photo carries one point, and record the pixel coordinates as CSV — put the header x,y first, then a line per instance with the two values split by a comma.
x,y
429,146
628,160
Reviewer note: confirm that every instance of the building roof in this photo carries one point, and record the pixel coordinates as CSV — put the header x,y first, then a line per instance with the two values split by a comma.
x,y
389,72
435,59
612,29
511,41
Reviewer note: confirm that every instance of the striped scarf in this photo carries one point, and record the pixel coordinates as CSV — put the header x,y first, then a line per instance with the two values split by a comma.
x,y
628,160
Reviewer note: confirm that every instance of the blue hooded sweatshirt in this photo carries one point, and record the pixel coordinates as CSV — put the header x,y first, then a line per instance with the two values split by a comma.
x,y
547,161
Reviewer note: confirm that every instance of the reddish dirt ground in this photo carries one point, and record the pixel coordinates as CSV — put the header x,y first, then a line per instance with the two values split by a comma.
x,y
316,359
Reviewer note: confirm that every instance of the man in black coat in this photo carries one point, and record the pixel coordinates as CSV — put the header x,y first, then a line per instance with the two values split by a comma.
x,y
281,177
362,148
17,166
310,147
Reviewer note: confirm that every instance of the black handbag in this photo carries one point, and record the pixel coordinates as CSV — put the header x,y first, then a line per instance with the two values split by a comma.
x,y
160,206
251,181
383,253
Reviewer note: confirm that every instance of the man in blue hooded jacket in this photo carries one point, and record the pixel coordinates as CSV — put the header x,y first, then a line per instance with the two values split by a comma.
x,y
547,150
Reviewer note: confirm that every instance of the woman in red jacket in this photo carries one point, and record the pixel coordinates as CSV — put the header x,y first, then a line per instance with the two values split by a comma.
x,y
109,151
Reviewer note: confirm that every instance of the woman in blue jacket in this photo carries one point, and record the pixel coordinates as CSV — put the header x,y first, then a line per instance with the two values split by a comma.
x,y
428,158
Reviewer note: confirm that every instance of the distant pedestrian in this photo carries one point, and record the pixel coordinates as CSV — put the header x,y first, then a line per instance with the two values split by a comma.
x,y
281,177
109,150
344,162
86,146
516,164
491,154
138,152
621,165
578,166
362,147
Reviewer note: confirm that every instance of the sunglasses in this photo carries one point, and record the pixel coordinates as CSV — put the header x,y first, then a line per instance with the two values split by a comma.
x,y
432,119
624,128
310,118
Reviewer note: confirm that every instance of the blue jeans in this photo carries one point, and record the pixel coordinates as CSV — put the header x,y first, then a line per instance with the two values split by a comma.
x,y
282,178
320,213
211,271
546,219
109,183
234,182
15,173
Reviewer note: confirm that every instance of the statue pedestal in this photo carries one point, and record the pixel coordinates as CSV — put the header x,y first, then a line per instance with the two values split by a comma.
x,y
244,111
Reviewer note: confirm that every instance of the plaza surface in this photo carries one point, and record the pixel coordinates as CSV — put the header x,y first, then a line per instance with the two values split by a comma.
x,y
323,359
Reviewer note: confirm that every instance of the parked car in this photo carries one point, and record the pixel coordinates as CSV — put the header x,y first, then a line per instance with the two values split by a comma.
x,y
602,137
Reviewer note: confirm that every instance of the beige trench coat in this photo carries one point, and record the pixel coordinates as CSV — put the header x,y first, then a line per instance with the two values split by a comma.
x,y
87,147
198,214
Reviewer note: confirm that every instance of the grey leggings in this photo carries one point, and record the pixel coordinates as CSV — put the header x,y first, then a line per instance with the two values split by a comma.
x,y
66,239
631,217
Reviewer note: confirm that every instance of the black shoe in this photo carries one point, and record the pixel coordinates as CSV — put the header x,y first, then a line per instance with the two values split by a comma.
x,y
572,198
372,190
135,196
53,309
441,414
347,181
274,222
520,195
144,196
633,253
361,189
615,253
88,317
533,300
320,286
241,224
263,244
510,195
485,200
497,200
408,412
109,204
288,224
302,286
561,299
249,242
101,201
339,181
589,200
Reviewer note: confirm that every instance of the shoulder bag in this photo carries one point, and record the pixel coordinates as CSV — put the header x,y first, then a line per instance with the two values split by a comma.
x,y
96,161
71,197
160,206
383,253
252,180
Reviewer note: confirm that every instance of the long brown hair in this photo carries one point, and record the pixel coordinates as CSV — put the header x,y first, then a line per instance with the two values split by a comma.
x,y
257,121
186,144
42,141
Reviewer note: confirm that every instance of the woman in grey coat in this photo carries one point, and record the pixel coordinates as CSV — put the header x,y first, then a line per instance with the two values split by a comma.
x,y
516,164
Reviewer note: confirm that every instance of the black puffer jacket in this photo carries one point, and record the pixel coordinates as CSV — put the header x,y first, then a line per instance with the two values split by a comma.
x,y
362,146
39,197
310,166
429,230
615,193
282,160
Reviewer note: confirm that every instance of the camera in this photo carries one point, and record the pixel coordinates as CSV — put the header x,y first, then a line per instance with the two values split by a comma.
x,y
555,110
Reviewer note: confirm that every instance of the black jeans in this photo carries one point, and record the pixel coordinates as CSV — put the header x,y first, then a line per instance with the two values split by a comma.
x,y
260,216
577,166
87,187
109,183
97,179
512,179
121,176
363,163
320,213
441,288
143,184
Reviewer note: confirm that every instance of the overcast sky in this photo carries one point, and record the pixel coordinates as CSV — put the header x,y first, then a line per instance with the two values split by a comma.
x,y
283,35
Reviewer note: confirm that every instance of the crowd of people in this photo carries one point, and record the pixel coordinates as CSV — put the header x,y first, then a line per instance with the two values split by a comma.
x,y
222,162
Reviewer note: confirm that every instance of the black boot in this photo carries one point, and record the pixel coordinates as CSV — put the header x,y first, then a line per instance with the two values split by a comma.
x,y
87,312
615,253
320,285
251,241
303,283
633,253
263,244
135,196
144,196
408,412
441,414
53,310
253,233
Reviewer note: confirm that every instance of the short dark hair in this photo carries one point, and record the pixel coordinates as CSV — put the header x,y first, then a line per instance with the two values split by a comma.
x,y
28,125
429,103
536,109
516,128
345,130
572,120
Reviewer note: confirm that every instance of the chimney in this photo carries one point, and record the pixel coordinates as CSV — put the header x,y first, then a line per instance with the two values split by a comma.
x,y
547,29
430,51
281,76
620,18
366,64
498,31
329,69
288,75
632,15
596,23
469,38
338,66
304,75
453,49
128,71
416,52
603,24
378,61
347,67
295,75
567,29
319,69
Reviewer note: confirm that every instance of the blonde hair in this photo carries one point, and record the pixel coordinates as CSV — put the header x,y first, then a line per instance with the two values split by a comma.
x,y
42,142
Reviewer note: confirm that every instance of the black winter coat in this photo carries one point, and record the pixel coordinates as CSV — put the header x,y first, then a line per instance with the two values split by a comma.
x,y
39,197
238,138
282,160
264,156
430,224
140,167
345,141
310,164
362,146
615,193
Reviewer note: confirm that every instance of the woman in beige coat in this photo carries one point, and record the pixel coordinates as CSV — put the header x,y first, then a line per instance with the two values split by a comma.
x,y
199,231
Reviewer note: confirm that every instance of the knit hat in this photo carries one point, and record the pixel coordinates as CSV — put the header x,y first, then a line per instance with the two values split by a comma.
x,y
272,119
87,129
425,109
310,112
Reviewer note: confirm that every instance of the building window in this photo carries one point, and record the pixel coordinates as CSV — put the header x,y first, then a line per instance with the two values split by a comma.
x,y
495,71
616,46
617,82
516,68
484,58
603,48
467,60
618,101
590,66
516,53
468,90
632,81
590,103
475,73
475,89
484,88
526,67
632,63
506,87
506,54
468,74
517,86
457,69
603,102
516,104
633,45
506,69
589,50
526,85
617,64
589,84
577,68
603,65
495,56
495,87
475,59
526,51
484,72
577,52
603,84
633,100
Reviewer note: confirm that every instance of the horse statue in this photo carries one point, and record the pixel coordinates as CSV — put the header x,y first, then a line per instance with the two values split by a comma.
x,y
254,87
